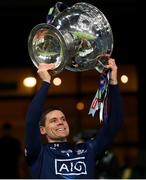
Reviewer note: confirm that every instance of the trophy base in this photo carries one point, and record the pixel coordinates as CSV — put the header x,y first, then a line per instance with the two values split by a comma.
x,y
46,45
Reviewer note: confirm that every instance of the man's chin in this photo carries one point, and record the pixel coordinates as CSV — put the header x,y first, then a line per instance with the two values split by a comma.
x,y
62,137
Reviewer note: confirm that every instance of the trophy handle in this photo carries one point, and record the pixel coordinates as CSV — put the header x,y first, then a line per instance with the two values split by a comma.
x,y
102,61
55,11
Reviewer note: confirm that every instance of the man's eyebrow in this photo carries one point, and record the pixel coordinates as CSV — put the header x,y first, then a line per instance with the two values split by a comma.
x,y
63,116
56,117
52,118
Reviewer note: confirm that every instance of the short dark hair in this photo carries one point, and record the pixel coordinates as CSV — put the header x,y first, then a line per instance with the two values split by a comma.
x,y
43,116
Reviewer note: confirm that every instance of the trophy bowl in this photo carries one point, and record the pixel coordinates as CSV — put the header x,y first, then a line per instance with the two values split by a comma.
x,y
76,38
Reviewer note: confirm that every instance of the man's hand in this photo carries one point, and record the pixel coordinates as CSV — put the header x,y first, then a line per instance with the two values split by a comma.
x,y
112,65
43,71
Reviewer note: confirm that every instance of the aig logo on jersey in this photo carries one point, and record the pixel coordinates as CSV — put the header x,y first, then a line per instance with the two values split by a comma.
x,y
74,166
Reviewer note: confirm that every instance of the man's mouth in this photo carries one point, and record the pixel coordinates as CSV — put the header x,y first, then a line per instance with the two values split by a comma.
x,y
61,129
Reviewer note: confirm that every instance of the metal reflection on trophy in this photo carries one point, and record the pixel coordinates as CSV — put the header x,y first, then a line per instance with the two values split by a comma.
x,y
76,38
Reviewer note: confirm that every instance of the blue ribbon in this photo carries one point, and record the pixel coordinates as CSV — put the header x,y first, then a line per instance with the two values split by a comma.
x,y
99,102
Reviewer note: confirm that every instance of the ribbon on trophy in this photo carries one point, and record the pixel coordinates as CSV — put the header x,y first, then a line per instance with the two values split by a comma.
x,y
99,102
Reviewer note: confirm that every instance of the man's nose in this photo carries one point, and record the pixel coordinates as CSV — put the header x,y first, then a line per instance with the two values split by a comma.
x,y
60,121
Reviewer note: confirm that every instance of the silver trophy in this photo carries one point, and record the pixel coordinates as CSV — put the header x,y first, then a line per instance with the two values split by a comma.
x,y
76,38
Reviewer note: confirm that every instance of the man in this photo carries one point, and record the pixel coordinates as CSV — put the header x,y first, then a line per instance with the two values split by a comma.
x,y
10,151
58,159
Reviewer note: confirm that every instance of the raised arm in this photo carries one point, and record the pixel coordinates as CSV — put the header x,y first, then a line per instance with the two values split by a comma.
x,y
111,126
34,112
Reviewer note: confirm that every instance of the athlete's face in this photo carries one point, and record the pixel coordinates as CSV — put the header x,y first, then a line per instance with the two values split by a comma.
x,y
56,127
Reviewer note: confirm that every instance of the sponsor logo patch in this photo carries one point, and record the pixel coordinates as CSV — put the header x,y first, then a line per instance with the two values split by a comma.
x,y
74,166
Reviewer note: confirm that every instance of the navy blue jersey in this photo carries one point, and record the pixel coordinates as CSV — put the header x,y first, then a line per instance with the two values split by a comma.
x,y
62,160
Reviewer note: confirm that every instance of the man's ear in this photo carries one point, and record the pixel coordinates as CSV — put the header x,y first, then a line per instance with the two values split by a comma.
x,y
42,130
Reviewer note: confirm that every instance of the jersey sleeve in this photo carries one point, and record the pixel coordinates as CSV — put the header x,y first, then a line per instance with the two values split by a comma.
x,y
112,125
32,132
